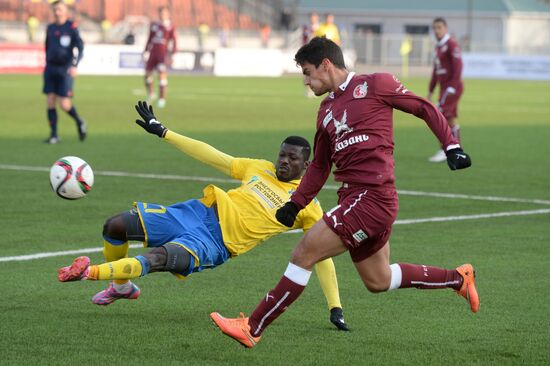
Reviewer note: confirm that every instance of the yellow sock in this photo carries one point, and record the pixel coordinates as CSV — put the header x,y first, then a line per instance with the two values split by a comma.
x,y
120,271
115,252
329,284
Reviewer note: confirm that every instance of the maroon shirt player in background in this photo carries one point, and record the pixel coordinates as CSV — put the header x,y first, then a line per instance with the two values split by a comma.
x,y
355,133
161,45
447,73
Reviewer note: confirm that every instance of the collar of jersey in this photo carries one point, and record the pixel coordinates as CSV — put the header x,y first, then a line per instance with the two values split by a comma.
x,y
443,40
345,84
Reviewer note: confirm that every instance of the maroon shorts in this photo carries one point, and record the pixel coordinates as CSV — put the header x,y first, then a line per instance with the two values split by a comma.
x,y
448,102
156,61
363,218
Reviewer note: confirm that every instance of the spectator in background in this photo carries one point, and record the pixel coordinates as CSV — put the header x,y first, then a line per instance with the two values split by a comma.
x,y
32,26
224,36
309,30
329,29
447,72
265,32
161,45
202,33
62,38
105,27
130,37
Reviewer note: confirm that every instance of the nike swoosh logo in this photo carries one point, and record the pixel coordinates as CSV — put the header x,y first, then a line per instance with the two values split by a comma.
x,y
461,156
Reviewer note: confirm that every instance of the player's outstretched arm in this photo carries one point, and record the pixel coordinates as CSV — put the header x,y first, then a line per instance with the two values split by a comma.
x,y
194,148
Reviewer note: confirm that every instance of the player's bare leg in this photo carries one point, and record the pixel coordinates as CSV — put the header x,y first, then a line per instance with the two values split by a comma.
x,y
163,83
51,99
66,104
149,85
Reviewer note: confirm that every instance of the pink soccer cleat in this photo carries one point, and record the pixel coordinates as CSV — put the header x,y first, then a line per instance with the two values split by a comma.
x,y
111,295
77,271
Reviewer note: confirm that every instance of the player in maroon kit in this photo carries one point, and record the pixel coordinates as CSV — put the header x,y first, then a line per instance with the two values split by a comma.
x,y
355,133
161,34
447,73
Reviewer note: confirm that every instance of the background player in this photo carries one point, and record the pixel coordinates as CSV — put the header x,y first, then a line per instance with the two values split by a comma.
x,y
355,133
447,73
160,47
199,234
62,37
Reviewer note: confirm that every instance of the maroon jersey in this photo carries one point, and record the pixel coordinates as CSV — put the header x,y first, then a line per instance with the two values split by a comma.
x,y
447,69
160,35
355,133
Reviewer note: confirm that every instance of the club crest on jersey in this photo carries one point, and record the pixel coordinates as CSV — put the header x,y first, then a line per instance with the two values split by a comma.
x,y
360,91
341,126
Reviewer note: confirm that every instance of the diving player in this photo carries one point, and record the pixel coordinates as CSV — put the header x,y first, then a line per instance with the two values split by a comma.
x,y
161,45
199,234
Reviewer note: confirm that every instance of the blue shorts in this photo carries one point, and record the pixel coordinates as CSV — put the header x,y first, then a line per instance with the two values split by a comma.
x,y
58,81
190,224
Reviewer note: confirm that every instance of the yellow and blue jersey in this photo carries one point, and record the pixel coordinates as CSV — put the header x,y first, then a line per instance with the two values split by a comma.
x,y
247,213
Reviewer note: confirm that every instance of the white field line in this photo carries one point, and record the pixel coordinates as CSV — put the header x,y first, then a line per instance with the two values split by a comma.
x,y
331,187
397,222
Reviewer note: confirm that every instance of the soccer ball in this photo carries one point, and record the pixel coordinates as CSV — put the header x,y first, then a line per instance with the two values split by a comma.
x,y
71,177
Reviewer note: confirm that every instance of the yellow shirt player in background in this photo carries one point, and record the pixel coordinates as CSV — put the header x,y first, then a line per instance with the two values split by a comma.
x,y
329,29
195,235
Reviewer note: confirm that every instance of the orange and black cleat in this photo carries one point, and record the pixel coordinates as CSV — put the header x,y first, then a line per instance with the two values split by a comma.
x,y
236,328
468,288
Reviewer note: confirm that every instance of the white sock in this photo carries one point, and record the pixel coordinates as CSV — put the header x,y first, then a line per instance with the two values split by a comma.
x,y
396,275
297,274
122,288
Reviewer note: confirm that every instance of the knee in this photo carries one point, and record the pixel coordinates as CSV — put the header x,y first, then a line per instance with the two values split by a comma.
x,y
114,228
157,258
377,285
303,258
65,104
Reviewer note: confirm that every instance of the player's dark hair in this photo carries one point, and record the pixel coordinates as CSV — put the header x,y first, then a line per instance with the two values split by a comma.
x,y
57,2
440,20
299,141
317,50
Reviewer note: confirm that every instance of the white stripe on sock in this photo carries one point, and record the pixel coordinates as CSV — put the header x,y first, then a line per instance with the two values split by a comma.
x,y
434,283
271,311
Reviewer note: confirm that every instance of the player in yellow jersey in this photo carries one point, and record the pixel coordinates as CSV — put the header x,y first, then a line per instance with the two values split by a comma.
x,y
199,234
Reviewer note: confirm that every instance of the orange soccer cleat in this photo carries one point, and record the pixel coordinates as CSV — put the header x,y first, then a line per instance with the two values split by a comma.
x,y
468,288
236,328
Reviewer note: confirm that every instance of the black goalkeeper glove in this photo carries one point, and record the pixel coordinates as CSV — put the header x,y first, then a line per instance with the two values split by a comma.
x,y
286,215
458,159
149,123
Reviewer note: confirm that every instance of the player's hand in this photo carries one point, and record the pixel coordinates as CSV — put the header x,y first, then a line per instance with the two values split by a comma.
x,y
286,215
149,123
458,159
72,71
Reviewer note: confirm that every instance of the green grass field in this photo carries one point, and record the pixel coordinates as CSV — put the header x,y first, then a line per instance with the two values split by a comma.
x,y
505,128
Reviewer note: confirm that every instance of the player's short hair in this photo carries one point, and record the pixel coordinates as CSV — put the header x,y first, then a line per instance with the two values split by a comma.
x,y
57,2
440,20
299,141
317,50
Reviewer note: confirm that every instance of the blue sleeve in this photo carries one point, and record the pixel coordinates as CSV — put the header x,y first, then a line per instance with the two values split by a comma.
x,y
79,45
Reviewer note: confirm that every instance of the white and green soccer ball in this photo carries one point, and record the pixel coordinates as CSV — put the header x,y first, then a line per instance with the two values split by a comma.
x,y
71,177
